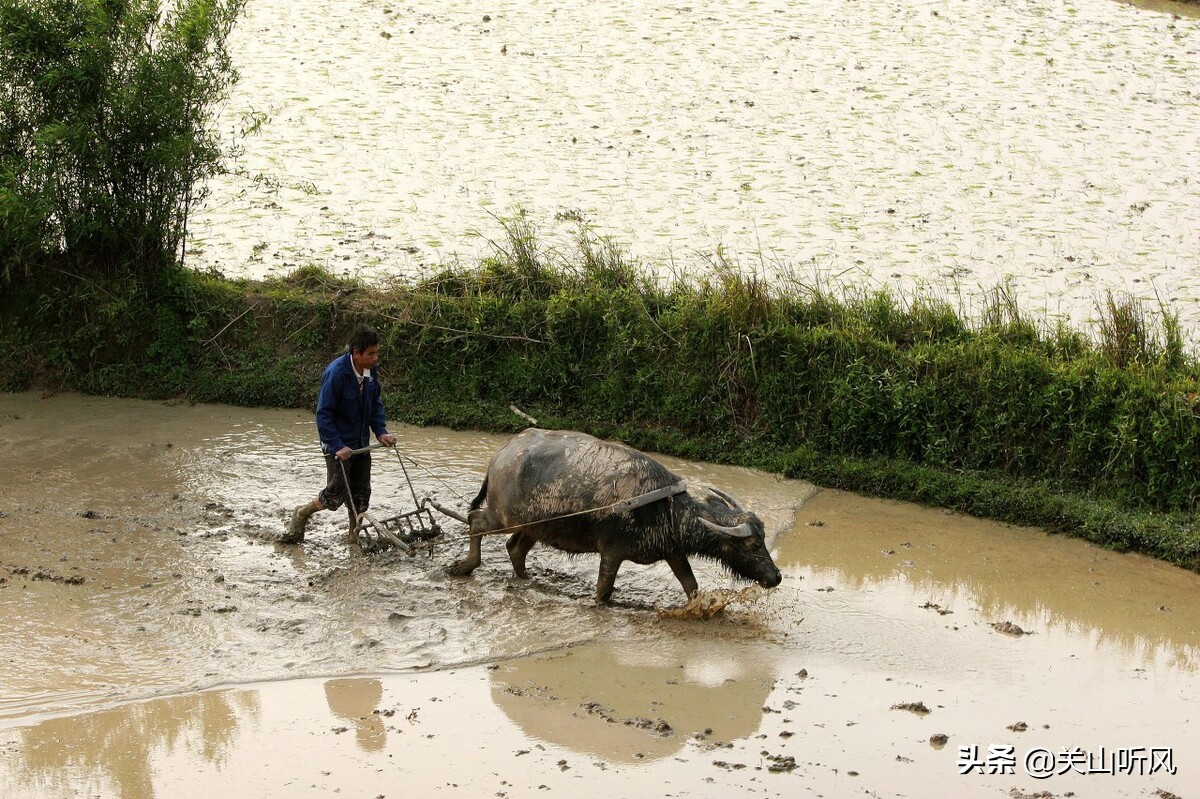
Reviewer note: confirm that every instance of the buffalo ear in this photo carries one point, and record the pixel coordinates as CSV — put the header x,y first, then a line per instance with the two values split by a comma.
x,y
741,531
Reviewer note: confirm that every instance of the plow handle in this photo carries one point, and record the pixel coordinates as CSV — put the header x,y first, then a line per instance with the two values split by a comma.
x,y
367,448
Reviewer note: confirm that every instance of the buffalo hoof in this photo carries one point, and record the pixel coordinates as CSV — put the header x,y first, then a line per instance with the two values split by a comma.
x,y
461,568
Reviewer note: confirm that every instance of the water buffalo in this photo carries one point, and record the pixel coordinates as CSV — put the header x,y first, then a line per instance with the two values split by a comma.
x,y
545,485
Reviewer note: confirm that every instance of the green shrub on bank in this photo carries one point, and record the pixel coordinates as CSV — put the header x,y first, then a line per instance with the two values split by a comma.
x,y
105,134
1094,435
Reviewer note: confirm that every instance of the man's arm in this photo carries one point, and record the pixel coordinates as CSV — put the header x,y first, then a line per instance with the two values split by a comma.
x,y
331,442
378,420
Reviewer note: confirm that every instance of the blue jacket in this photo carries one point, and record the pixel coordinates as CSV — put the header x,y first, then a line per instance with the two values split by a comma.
x,y
346,417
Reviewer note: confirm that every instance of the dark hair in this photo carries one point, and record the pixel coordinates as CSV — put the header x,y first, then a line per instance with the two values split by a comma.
x,y
364,336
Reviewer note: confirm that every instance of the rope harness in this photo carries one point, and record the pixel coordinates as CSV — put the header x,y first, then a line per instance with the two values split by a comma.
x,y
620,506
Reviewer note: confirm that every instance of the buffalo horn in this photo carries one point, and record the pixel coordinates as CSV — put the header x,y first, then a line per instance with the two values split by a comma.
x,y
733,503
741,531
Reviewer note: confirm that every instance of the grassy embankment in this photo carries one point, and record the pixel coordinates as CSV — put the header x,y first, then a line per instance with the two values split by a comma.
x,y
1096,436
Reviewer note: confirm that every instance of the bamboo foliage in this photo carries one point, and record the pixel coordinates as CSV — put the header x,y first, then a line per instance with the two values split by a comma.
x,y
106,129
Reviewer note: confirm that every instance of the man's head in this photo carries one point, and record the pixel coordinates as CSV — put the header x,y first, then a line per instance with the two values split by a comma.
x,y
364,347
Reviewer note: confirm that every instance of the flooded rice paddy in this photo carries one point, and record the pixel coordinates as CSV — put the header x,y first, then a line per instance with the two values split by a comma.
x,y
155,645
936,145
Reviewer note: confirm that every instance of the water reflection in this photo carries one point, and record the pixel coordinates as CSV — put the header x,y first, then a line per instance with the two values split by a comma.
x,y
630,702
111,753
1124,601
356,700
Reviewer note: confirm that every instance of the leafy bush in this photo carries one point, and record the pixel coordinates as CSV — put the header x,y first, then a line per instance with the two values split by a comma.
x,y
105,129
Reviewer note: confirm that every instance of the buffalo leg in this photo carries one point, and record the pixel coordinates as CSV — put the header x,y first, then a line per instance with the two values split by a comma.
x,y
683,572
607,577
518,546
479,524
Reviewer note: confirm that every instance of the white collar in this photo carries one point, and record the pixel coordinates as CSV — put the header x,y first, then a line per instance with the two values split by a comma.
x,y
365,374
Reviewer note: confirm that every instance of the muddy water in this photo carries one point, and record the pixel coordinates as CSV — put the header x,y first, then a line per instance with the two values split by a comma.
x,y
155,646
885,143
160,511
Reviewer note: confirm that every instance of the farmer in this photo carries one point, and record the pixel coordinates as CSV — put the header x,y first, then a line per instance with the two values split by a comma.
x,y
349,408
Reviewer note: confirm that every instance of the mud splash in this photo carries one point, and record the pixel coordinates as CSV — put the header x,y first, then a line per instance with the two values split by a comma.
x,y
134,665
706,604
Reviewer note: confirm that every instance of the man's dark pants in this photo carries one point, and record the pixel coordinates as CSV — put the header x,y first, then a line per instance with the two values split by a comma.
x,y
358,471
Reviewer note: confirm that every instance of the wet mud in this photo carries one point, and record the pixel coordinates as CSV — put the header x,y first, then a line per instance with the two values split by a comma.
x,y
155,645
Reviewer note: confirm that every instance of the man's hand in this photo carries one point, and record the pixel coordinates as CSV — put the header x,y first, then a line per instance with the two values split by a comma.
x,y
388,440
342,454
